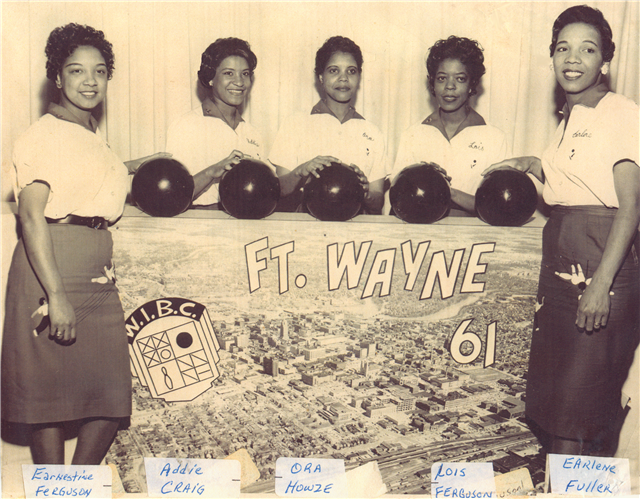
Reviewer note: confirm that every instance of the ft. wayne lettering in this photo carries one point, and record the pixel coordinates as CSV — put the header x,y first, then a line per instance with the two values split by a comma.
x,y
351,263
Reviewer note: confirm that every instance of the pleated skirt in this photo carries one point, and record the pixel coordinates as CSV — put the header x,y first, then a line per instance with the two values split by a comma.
x,y
575,378
44,381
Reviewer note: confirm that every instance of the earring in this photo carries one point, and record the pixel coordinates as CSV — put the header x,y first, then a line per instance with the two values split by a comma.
x,y
551,67
604,69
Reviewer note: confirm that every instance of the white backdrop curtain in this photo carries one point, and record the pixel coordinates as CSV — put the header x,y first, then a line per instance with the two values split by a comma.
x,y
158,47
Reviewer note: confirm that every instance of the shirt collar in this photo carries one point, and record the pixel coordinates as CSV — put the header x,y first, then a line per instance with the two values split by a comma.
x,y
210,109
322,108
472,119
63,113
591,98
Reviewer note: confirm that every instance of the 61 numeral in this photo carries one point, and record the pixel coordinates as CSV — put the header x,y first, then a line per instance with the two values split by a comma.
x,y
461,336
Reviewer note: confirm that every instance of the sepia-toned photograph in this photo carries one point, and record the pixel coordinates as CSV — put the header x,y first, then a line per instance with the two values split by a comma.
x,y
389,234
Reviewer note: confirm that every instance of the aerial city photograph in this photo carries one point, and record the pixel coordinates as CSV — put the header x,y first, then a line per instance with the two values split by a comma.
x,y
325,373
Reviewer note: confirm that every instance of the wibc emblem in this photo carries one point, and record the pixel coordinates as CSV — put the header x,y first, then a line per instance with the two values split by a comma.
x,y
173,348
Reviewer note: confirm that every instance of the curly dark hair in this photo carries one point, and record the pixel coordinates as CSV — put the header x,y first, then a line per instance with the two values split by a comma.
x,y
587,15
333,45
218,51
64,40
465,50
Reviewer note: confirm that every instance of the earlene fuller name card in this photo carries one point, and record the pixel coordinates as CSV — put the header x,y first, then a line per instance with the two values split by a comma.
x,y
589,476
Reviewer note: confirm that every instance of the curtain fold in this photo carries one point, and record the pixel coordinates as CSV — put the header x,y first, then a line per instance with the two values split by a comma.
x,y
158,47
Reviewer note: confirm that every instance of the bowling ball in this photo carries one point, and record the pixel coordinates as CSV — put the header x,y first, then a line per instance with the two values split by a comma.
x,y
506,197
162,187
420,194
335,195
250,190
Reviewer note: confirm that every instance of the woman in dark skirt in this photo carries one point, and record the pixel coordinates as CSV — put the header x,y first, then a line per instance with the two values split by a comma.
x,y
64,352
586,326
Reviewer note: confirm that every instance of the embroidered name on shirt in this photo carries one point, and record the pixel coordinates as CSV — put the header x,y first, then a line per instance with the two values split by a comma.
x,y
583,133
474,145
366,136
253,142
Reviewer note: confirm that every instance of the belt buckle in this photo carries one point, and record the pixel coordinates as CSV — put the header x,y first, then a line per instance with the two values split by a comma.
x,y
96,222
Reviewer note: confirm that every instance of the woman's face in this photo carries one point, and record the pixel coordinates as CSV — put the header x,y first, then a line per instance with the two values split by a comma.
x,y
341,77
577,58
83,80
451,85
232,81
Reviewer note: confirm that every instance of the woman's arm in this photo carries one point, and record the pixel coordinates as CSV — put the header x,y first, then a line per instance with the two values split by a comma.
x,y
465,201
202,180
527,164
293,180
595,301
134,164
39,247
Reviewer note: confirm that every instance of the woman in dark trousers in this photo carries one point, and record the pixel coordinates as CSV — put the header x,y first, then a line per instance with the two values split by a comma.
x,y
586,322
70,187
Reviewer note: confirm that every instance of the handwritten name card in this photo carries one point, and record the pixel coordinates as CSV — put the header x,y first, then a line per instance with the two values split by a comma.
x,y
462,480
58,480
589,476
310,478
211,478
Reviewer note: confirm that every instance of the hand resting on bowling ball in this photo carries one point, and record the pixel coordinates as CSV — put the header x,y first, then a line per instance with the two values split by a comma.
x,y
526,164
212,174
465,201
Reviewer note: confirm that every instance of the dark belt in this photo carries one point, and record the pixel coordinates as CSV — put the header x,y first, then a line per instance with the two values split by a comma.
x,y
91,222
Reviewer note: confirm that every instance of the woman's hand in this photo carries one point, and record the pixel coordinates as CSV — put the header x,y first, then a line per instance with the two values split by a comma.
x,y
362,178
526,164
204,179
441,170
593,309
62,318
134,164
214,172
312,167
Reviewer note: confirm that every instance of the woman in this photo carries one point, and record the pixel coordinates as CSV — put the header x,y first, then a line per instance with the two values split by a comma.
x,y
333,131
70,187
213,137
455,137
586,321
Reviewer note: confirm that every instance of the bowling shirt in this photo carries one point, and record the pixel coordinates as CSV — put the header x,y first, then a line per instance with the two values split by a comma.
x,y
202,138
84,175
356,141
578,165
475,147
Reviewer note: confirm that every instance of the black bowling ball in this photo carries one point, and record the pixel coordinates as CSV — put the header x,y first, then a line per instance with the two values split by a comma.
x,y
250,190
162,187
506,198
420,194
335,195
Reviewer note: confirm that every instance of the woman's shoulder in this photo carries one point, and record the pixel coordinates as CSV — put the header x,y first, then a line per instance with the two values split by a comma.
x,y
617,102
45,128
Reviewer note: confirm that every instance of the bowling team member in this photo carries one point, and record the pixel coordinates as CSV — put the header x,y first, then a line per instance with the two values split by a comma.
x,y
455,136
213,137
586,326
70,187
333,131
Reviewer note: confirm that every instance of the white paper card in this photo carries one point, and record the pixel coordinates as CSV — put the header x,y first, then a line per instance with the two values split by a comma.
x,y
59,480
310,477
589,476
472,480
171,477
